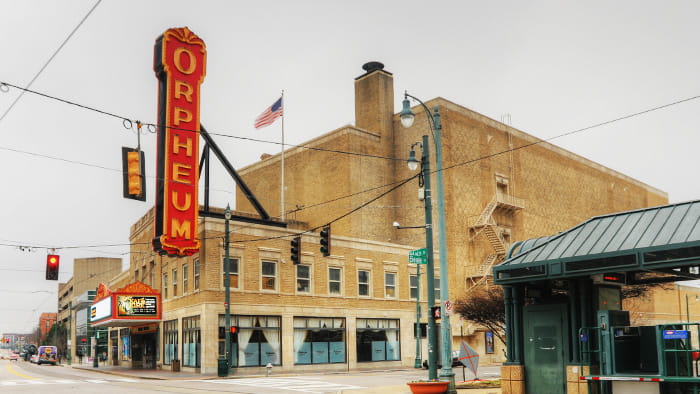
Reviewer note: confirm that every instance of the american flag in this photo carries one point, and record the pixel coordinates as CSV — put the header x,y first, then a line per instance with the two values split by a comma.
x,y
269,115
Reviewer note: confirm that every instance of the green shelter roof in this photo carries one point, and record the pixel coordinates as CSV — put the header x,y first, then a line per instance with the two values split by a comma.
x,y
655,239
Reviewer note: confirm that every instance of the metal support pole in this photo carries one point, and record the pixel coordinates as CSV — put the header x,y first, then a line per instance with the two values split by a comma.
x,y
227,284
432,333
445,328
418,361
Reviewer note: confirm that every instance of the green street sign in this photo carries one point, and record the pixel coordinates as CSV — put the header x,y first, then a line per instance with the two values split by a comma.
x,y
418,256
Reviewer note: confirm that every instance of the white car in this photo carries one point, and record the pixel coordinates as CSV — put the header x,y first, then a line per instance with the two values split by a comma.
x,y
34,359
14,357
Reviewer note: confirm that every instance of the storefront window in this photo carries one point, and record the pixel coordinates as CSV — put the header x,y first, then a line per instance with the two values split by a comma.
x,y
257,341
319,340
378,340
169,341
191,343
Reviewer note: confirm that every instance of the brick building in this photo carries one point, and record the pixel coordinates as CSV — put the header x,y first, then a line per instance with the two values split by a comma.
x,y
46,321
501,185
356,307
73,300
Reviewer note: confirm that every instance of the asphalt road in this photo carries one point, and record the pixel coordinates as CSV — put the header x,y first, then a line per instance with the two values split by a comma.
x,y
24,377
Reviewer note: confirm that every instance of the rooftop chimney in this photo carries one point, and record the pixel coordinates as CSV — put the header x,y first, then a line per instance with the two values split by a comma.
x,y
374,99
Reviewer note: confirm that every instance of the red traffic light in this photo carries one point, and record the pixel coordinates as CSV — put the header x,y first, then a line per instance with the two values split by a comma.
x,y
234,329
52,262
52,259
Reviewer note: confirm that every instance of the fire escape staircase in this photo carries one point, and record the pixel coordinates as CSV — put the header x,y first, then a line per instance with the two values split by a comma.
x,y
486,224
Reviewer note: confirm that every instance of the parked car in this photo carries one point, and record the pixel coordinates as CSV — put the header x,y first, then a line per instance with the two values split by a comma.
x,y
34,359
455,361
14,357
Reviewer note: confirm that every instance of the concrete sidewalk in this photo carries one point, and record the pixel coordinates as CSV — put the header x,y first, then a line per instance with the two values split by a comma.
x,y
168,375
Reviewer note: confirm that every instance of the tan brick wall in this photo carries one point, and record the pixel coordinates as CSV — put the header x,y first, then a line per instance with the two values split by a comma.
x,y
560,189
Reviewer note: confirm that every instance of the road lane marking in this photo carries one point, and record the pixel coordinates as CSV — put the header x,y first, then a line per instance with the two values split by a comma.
x,y
12,371
301,385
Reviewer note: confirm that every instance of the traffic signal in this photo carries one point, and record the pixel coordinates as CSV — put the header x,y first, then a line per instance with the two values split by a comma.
x,y
326,241
234,329
435,311
133,167
296,250
52,261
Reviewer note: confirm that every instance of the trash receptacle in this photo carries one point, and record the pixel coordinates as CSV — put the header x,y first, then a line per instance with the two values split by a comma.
x,y
175,365
223,367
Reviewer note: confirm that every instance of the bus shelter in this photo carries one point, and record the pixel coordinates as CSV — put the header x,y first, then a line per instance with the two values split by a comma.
x,y
566,330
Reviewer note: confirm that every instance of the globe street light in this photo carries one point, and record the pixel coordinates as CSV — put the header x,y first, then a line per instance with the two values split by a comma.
x,y
407,117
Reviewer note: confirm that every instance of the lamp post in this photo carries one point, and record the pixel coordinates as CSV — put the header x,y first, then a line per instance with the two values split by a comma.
x,y
407,117
227,283
418,361
430,270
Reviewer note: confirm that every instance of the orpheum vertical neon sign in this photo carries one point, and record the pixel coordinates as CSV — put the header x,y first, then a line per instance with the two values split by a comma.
x,y
180,65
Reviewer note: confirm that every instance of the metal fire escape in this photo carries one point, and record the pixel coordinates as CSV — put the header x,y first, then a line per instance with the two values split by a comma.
x,y
486,224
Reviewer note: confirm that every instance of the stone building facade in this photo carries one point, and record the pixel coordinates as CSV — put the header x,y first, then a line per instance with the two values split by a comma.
x,y
356,308
501,185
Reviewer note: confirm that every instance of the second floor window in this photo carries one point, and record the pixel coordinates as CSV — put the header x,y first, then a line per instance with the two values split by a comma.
x,y
303,278
269,275
436,286
363,283
174,283
196,274
390,284
165,285
233,272
413,285
334,280
185,278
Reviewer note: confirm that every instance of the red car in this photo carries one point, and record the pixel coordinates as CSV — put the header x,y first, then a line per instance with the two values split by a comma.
x,y
14,356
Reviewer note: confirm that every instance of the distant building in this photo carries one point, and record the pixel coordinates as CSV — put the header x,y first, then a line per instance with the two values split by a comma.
x,y
73,301
46,321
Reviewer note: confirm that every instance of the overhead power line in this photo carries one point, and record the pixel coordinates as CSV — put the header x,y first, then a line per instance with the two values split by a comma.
x,y
127,122
395,185
50,59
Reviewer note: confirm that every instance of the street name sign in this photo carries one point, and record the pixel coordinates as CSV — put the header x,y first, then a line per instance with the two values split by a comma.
x,y
418,256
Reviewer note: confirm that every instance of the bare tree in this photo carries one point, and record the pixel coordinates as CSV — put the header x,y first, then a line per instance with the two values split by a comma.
x,y
484,306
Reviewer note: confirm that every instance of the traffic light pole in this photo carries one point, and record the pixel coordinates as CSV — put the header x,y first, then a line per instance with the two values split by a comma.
x,y
430,274
227,283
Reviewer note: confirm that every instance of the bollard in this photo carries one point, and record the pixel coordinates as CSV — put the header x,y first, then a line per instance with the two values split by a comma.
x,y
269,368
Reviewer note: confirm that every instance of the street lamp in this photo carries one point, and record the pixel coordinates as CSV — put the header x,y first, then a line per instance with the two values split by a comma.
x,y
227,283
418,360
407,117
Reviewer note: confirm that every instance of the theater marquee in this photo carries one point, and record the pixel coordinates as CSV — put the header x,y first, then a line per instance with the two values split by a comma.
x,y
133,305
180,65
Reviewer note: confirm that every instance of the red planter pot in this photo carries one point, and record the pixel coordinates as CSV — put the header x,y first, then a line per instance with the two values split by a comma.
x,y
428,387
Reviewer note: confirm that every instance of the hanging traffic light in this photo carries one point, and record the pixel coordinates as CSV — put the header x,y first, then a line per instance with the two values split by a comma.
x,y
52,262
133,167
326,241
296,250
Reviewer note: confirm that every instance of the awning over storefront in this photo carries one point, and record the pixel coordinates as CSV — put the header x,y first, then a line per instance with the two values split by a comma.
x,y
133,305
662,241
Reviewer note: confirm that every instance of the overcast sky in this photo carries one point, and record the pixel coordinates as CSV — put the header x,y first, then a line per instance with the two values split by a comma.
x,y
550,67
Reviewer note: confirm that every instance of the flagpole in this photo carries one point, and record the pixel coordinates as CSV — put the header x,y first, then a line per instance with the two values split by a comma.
x,y
282,164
